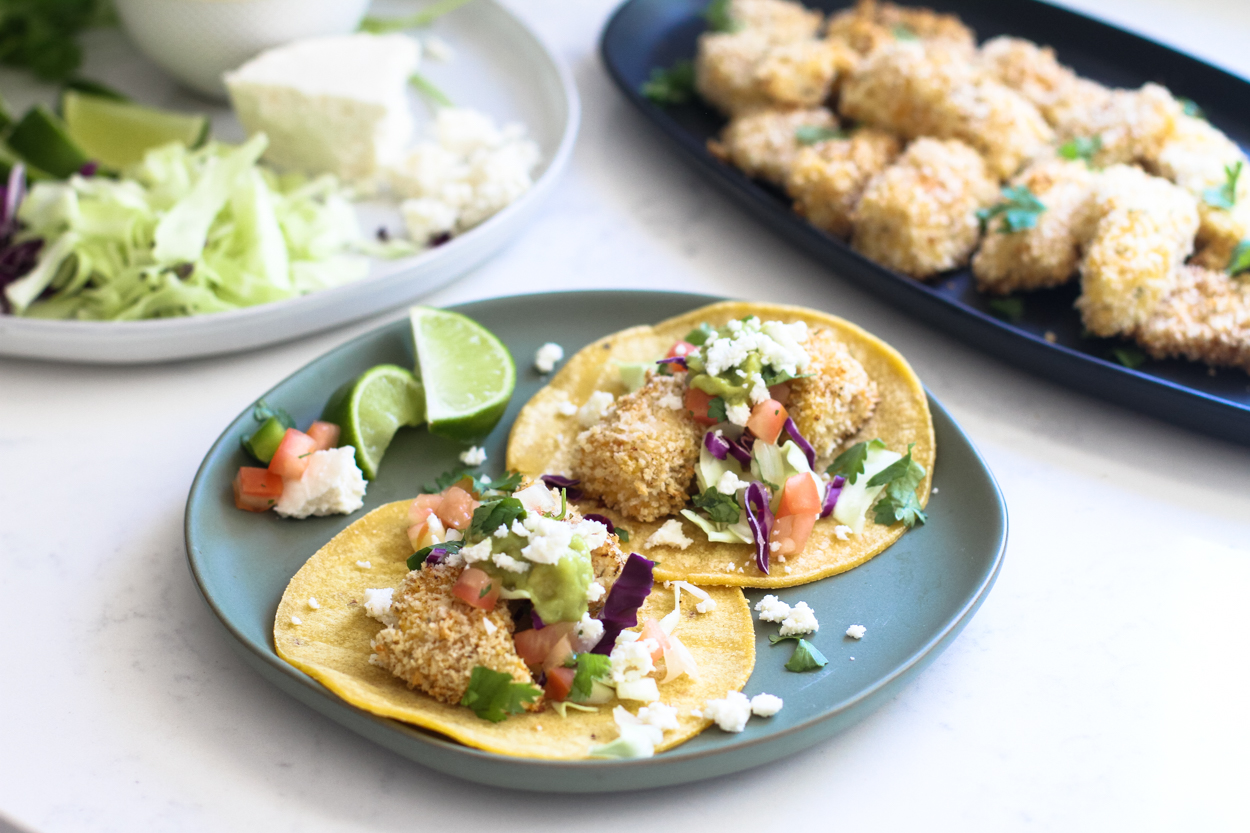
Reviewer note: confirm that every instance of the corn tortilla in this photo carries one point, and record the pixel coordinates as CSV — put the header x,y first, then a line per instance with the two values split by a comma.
x,y
331,644
542,442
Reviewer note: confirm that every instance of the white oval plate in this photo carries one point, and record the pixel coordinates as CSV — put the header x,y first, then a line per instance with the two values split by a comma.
x,y
500,67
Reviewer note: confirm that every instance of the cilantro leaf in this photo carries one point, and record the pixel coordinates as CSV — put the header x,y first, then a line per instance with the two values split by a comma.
x,y
810,134
1190,108
904,32
850,463
1082,147
1224,196
622,534
41,35
674,85
899,502
264,411
723,509
1240,260
1129,356
446,479
493,695
590,667
718,17
806,656
493,514
428,89
701,335
1019,210
507,483
716,409
417,560
1011,309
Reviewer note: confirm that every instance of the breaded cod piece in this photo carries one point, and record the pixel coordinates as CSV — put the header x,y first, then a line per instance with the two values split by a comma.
x,y
918,216
1029,69
1047,254
1206,319
780,21
870,25
827,178
1132,125
438,639
1145,230
836,399
1195,158
640,458
932,90
738,72
764,143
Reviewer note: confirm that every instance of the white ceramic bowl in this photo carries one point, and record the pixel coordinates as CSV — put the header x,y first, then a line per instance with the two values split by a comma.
x,y
196,41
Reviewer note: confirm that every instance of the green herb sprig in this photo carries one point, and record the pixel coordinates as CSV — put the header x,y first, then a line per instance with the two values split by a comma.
x,y
806,656
674,85
898,502
723,509
493,695
42,35
718,17
1019,210
1082,147
1240,260
850,463
1224,196
810,134
1010,309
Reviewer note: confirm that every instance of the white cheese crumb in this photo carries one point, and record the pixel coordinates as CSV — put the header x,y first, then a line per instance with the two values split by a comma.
x,y
935,490
729,483
378,605
659,715
566,408
773,546
489,625
730,714
477,552
365,565
295,620
549,539
765,705
843,532
738,413
502,532
475,456
595,592
599,403
787,569
331,485
800,620
506,562
669,535
587,633
772,609
631,661
671,401
697,713
856,631
313,603
547,356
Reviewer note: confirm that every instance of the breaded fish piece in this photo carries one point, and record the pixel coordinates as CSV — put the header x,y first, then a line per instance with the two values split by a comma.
x,y
1195,158
1206,319
764,143
1132,125
827,178
640,458
1029,69
438,639
870,25
918,216
1047,254
932,90
738,72
780,21
1144,232
836,399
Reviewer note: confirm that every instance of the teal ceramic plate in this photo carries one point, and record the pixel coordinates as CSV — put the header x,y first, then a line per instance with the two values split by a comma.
x,y
914,598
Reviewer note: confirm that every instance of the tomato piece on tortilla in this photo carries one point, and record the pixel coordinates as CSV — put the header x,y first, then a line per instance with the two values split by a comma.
x,y
256,490
681,349
476,588
696,403
533,645
559,683
325,434
791,532
422,507
456,508
559,653
799,497
767,419
292,455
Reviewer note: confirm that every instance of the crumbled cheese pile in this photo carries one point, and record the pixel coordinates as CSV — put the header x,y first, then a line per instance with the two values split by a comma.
x,y
794,620
547,356
670,534
474,456
856,631
377,604
778,345
331,485
733,711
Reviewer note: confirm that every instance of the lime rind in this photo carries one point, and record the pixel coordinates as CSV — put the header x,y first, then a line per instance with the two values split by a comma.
x,y
371,408
468,373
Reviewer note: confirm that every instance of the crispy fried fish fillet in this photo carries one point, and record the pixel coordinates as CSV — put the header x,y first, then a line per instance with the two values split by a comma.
x,y
826,179
1047,254
834,401
932,90
438,639
1029,69
779,20
1206,319
738,72
919,215
640,458
871,25
764,143
1132,125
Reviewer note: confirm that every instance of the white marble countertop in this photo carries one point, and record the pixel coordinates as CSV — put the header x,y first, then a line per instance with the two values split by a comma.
x,y
1101,687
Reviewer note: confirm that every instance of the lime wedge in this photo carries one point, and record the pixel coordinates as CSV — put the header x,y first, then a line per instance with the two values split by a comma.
x,y
371,408
467,372
118,133
41,139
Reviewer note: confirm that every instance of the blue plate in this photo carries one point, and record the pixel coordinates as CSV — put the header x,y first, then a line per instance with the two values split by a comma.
x,y
644,34
914,598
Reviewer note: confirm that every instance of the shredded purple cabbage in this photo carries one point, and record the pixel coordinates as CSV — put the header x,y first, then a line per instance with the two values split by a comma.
x,y
568,484
832,492
16,259
89,168
760,519
680,361
437,553
804,445
716,445
603,519
741,449
536,620
620,609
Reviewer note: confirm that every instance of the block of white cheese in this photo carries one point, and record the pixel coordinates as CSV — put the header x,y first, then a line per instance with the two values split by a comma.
x,y
330,105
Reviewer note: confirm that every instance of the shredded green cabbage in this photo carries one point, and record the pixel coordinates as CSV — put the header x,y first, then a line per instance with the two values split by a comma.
x,y
185,232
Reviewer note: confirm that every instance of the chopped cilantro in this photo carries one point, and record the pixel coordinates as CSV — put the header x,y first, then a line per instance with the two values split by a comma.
x,y
723,509
674,85
806,656
1190,108
493,514
623,534
42,35
417,559
1019,210
700,335
427,88
446,479
590,667
904,32
850,463
898,502
1082,147
564,506
1011,309
1224,196
810,134
493,695
264,411
486,588
1240,260
718,17
716,409
508,483
1130,357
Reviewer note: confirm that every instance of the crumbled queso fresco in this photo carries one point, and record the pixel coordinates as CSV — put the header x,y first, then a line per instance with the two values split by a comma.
x,y
331,485
669,535
377,604
772,609
731,713
594,409
547,356
766,705
856,631
801,620
474,456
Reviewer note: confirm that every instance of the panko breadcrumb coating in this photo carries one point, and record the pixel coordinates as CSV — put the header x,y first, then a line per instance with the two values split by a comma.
x,y
438,639
1029,69
1047,254
932,90
640,458
918,216
826,179
871,25
764,143
836,399
1206,318
738,72
780,21
1132,125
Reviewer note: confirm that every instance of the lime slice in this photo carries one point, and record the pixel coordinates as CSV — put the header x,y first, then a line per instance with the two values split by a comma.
x,y
118,133
371,408
41,139
467,372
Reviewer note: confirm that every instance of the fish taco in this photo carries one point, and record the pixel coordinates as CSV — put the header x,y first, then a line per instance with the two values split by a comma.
x,y
739,444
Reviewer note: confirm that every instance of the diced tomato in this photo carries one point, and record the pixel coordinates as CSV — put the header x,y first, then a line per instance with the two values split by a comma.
x,y
652,630
292,455
780,392
559,683
534,644
561,651
423,507
256,490
799,497
767,420
791,532
681,348
456,509
325,434
696,403
476,588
